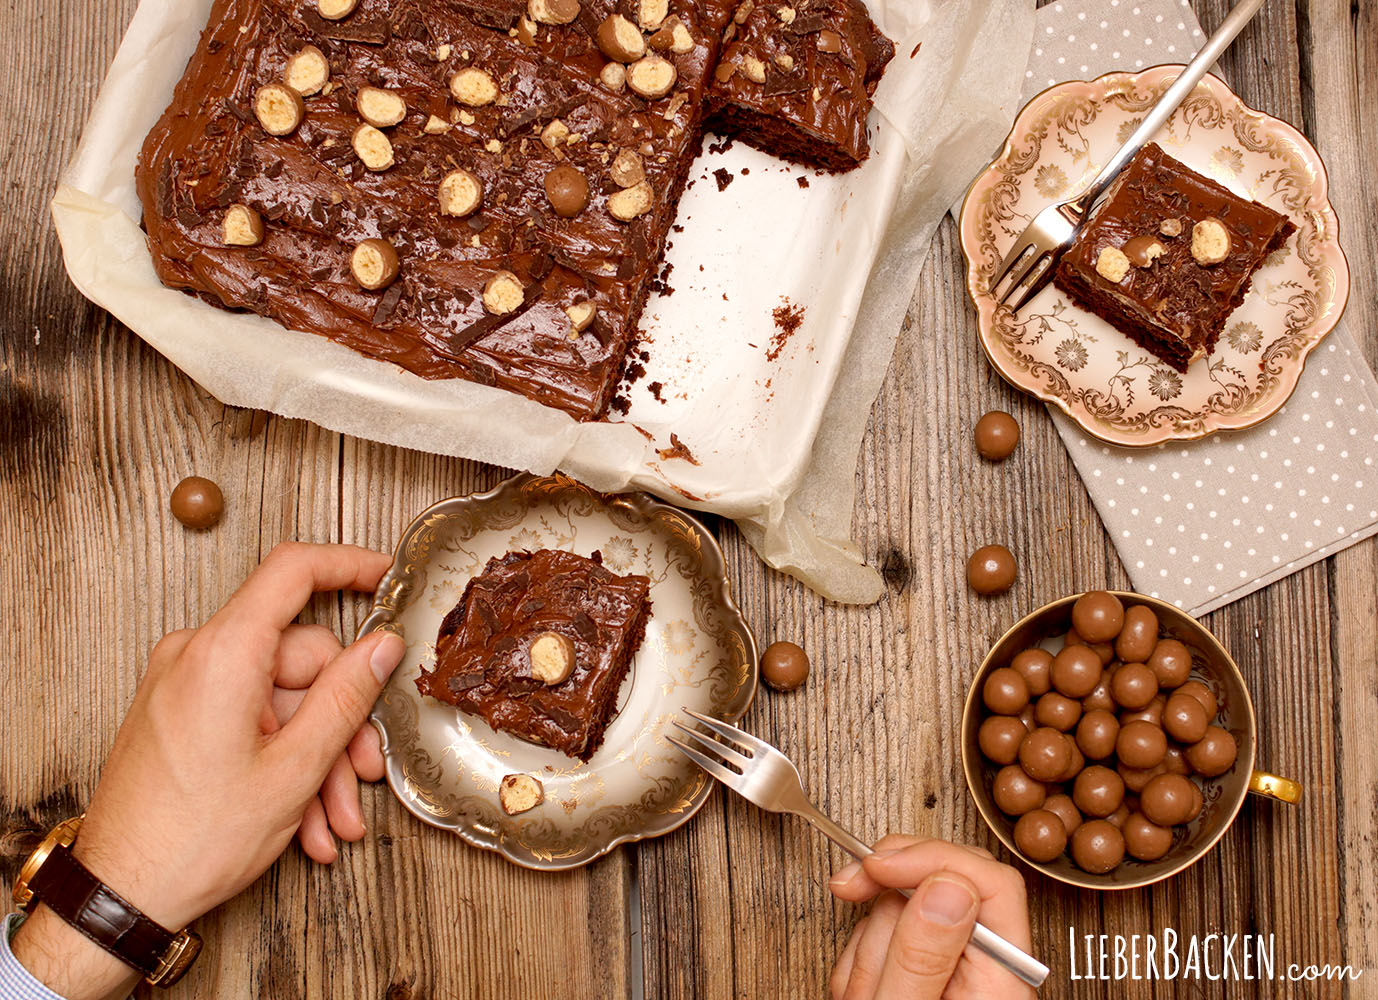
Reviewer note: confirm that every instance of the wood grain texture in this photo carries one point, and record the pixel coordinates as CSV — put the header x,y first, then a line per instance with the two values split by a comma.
x,y
95,428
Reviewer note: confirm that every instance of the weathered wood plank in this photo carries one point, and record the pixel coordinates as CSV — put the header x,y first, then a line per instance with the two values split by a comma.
x,y
96,570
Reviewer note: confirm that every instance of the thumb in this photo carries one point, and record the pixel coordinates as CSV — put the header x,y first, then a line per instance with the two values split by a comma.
x,y
338,701
929,937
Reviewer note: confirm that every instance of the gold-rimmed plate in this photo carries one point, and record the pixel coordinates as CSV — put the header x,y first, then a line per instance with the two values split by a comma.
x,y
1108,384
445,766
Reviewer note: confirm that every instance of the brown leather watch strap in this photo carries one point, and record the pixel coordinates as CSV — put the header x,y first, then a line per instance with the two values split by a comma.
x,y
82,900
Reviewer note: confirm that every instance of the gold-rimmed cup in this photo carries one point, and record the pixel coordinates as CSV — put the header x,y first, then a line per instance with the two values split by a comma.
x,y
1223,796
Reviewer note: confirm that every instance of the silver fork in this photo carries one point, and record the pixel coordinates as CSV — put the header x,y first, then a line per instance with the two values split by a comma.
x,y
1029,264
764,776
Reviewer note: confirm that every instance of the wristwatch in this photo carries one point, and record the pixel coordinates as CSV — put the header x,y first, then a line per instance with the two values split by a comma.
x,y
57,879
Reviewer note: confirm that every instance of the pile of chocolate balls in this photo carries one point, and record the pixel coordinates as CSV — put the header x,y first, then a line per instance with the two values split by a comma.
x,y
1099,745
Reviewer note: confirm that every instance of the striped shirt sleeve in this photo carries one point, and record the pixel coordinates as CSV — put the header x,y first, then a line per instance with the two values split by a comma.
x,y
16,983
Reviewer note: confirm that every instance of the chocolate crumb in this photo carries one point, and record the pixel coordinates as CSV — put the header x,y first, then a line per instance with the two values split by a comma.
x,y
724,177
655,389
803,182
788,318
677,449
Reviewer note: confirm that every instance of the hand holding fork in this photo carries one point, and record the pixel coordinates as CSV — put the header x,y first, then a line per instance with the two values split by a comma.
x,y
764,776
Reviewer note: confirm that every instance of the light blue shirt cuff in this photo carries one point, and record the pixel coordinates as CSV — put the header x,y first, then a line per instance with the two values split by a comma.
x,y
16,982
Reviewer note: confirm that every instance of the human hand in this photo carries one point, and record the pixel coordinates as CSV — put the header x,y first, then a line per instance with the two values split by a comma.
x,y
915,949
243,733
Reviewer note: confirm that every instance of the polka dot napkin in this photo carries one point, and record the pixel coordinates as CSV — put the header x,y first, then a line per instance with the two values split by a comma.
x,y
1203,523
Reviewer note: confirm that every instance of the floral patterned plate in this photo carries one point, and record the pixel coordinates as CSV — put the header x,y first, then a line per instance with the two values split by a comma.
x,y
445,766
1109,385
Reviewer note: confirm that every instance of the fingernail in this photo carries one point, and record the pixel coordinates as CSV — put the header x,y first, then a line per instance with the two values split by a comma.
x,y
386,655
882,855
946,902
846,874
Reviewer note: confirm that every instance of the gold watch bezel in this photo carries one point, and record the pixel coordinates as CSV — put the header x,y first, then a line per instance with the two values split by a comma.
x,y
62,835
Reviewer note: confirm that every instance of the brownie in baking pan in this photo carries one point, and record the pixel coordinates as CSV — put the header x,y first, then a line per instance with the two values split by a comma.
x,y
475,189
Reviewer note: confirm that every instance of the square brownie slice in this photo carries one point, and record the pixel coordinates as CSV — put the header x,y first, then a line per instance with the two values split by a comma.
x,y
1169,256
539,645
796,78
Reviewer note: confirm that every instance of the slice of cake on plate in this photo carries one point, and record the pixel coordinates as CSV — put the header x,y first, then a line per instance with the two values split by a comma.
x,y
539,645
1168,256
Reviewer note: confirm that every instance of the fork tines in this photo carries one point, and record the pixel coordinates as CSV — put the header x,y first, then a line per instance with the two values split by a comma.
x,y
725,758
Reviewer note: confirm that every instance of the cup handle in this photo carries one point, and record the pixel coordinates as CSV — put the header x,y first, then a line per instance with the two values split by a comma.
x,y
1272,787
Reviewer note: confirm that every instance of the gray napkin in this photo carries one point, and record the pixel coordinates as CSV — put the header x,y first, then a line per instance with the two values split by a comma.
x,y
1203,523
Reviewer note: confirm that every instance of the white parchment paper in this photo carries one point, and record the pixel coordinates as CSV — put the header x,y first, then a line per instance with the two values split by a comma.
x,y
773,425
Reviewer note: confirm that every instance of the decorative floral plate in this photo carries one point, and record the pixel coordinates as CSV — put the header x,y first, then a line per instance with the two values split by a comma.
x,y
445,766
1109,385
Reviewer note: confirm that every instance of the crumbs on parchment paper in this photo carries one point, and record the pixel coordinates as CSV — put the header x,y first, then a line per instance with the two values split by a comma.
x,y
724,177
802,181
677,449
788,318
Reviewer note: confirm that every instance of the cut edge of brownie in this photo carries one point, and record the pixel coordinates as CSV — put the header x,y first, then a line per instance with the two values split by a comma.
x,y
605,713
787,140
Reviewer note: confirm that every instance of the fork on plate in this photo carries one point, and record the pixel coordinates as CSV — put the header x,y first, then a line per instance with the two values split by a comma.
x,y
1029,264
764,776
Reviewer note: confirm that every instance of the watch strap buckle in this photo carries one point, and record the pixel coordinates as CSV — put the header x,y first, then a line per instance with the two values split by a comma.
x,y
176,960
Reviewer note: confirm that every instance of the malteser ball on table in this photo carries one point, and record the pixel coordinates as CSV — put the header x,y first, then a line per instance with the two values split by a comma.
x,y
197,502
991,570
997,435
784,666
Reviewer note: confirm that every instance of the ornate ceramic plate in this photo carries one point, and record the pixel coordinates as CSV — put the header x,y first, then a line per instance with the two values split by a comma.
x,y
1109,385
445,766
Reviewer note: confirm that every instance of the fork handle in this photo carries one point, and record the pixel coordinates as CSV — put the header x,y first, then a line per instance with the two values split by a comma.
x,y
1242,14
1011,957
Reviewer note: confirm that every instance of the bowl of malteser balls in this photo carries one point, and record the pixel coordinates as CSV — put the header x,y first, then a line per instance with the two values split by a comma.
x,y
1108,740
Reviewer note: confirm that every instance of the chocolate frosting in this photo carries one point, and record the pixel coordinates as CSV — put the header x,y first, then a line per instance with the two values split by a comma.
x,y
483,660
317,201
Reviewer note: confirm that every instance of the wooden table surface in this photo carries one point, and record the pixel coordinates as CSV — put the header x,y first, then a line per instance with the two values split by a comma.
x,y
96,428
